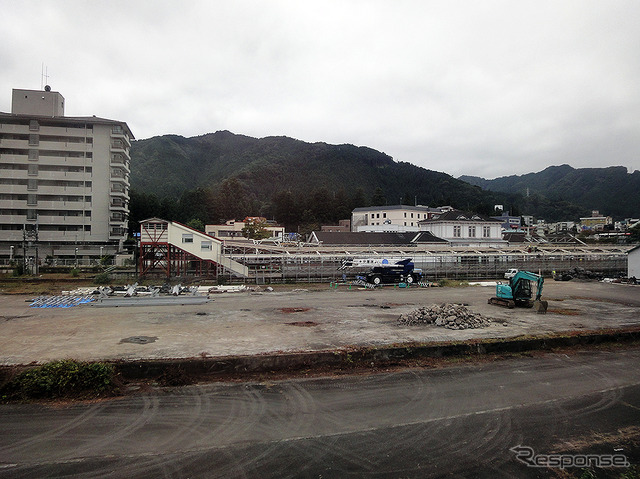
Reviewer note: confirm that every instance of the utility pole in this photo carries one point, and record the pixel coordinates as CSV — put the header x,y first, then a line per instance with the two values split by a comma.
x,y
30,239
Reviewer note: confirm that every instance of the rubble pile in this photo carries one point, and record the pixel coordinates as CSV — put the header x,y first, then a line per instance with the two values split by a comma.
x,y
447,315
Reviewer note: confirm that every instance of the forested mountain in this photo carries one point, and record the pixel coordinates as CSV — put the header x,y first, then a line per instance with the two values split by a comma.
x,y
222,176
613,191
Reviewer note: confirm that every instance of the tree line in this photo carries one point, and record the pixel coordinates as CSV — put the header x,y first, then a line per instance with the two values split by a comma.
x,y
297,211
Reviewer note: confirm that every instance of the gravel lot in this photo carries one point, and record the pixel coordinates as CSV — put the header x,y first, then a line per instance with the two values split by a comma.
x,y
310,318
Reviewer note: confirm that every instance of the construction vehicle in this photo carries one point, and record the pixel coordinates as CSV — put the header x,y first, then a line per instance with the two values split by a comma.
x,y
402,271
524,289
510,273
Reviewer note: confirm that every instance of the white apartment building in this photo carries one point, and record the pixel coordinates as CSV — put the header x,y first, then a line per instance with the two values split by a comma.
x,y
65,177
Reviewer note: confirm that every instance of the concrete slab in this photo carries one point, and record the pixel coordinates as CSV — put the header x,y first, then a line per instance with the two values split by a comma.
x,y
321,318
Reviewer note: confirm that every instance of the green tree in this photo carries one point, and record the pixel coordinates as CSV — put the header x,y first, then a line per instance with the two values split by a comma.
x,y
256,229
286,209
378,198
168,209
341,208
358,200
408,199
320,203
232,200
193,204
141,207
308,223
196,224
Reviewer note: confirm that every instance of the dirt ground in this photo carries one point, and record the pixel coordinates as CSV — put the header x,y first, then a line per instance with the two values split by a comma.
x,y
292,318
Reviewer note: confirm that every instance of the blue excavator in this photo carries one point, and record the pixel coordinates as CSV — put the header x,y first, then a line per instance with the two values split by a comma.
x,y
524,289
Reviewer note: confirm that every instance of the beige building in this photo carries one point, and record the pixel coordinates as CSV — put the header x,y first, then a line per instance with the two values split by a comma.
x,y
595,222
65,177
343,226
233,229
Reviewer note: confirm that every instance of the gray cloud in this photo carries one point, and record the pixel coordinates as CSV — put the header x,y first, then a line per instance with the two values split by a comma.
x,y
486,88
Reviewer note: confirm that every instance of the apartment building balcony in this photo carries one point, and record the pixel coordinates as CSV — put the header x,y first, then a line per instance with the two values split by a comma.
x,y
66,160
16,174
15,189
18,144
117,231
13,128
62,236
118,145
117,206
45,219
121,161
14,204
64,175
14,158
119,194
64,131
13,220
60,205
58,190
120,180
65,146
121,137
11,236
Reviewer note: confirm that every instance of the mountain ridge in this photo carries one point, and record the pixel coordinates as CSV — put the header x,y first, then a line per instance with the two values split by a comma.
x,y
266,173
613,191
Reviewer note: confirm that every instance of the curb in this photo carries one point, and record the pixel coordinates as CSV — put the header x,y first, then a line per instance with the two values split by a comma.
x,y
216,367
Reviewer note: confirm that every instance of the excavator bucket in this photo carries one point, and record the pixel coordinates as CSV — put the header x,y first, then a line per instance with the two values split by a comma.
x,y
540,306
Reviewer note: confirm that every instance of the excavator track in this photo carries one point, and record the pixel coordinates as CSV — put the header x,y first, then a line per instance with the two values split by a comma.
x,y
507,303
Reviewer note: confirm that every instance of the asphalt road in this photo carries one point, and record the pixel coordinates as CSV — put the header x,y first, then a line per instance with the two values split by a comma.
x,y
458,421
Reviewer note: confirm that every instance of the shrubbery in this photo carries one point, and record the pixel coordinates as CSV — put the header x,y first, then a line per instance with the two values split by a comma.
x,y
58,379
102,278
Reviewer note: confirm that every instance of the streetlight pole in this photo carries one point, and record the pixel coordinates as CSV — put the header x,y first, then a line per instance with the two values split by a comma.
x,y
76,258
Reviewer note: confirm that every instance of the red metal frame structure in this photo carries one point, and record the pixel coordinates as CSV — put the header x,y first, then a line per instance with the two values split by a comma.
x,y
154,246
157,254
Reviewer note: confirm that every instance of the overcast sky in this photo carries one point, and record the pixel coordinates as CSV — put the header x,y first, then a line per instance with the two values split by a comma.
x,y
486,88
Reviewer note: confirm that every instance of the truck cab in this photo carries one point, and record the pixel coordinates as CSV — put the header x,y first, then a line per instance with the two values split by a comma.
x,y
510,273
401,272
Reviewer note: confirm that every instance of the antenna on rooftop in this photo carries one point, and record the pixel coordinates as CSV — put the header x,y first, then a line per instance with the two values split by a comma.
x,y
44,76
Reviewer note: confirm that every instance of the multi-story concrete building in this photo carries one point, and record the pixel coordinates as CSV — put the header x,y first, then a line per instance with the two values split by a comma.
x,y
64,181
392,218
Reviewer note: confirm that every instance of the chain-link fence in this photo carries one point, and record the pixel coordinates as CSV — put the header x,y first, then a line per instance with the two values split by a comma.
x,y
301,267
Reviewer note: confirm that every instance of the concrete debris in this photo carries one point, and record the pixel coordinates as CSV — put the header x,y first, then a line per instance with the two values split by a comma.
x,y
225,289
447,315
80,292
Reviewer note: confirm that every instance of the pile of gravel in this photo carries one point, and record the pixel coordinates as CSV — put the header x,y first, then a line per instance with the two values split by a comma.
x,y
452,316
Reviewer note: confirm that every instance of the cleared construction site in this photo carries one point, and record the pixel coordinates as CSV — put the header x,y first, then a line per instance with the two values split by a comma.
x,y
258,322
278,327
